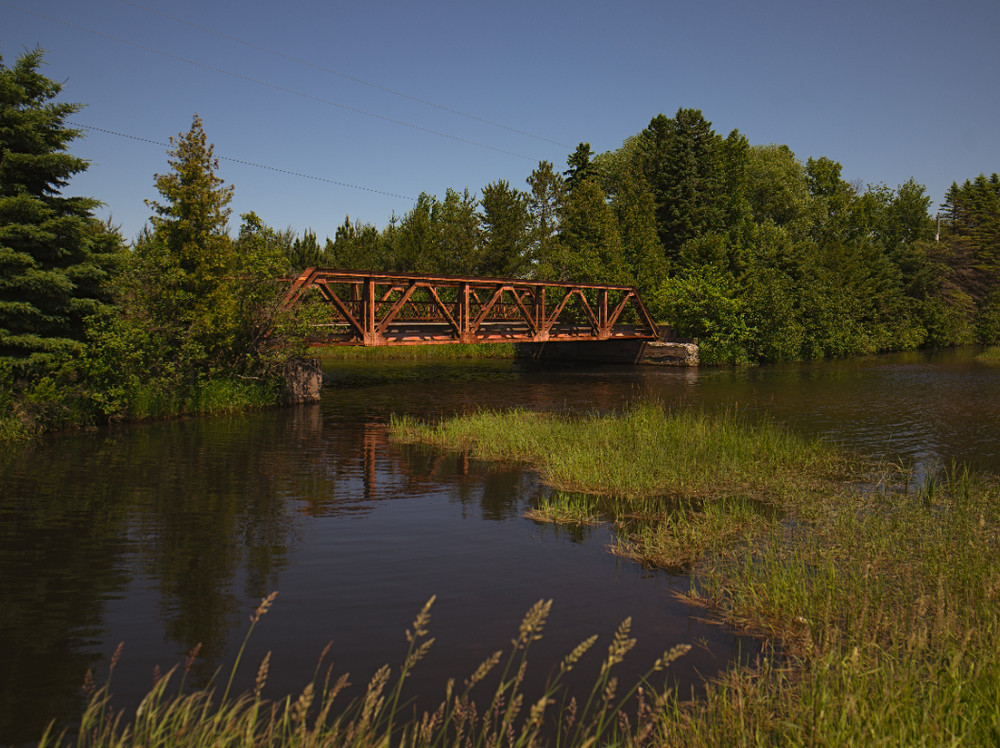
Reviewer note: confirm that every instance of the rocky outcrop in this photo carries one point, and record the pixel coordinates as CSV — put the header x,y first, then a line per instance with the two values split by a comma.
x,y
303,380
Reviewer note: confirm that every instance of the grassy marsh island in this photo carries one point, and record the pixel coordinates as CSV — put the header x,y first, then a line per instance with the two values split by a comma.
x,y
990,356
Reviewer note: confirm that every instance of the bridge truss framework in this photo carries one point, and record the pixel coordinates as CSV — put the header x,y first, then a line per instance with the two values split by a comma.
x,y
381,309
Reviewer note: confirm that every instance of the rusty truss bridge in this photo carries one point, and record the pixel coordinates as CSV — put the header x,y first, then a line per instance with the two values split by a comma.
x,y
380,309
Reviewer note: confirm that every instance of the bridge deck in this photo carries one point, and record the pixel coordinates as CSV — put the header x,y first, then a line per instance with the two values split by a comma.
x,y
378,309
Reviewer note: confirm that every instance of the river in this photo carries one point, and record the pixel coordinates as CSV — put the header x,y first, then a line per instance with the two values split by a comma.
x,y
167,535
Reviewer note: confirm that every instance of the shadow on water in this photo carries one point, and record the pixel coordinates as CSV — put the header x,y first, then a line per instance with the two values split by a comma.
x,y
167,535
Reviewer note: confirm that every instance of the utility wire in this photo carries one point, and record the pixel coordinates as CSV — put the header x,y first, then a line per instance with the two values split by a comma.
x,y
345,76
274,86
245,163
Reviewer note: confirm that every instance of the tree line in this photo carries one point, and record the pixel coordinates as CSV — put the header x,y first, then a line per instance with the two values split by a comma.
x,y
761,256
186,318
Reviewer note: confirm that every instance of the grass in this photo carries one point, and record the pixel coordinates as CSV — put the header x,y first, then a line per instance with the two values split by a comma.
x,y
990,356
880,607
639,453
450,352
212,397
46,406
488,708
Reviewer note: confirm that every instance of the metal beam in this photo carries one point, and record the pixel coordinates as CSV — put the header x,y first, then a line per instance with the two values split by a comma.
x,y
376,309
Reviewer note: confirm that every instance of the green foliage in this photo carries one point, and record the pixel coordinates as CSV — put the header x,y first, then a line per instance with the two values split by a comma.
x,y
635,210
506,226
589,248
683,162
544,205
970,256
305,252
357,246
579,166
200,317
703,302
55,257
988,319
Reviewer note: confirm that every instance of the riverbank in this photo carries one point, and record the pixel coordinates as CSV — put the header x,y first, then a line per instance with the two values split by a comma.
x,y
878,599
49,406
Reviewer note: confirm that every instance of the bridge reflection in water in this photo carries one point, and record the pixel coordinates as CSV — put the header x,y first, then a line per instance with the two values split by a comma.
x,y
380,309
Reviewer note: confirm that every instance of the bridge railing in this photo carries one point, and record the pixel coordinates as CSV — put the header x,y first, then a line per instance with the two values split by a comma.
x,y
375,309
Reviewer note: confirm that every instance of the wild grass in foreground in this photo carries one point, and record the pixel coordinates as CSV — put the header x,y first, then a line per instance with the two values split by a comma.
x,y
171,716
881,606
415,352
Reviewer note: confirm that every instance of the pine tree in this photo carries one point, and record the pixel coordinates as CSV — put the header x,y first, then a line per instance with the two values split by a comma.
x,y
591,246
506,231
548,189
55,256
191,226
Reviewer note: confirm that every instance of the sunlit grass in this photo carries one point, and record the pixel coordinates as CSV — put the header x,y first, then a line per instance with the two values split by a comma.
x,y
880,606
450,352
488,707
990,356
640,453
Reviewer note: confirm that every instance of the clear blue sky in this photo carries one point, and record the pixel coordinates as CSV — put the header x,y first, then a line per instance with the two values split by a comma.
x,y
892,89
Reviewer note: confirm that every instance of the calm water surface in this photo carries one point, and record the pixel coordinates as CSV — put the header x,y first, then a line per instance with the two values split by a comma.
x,y
167,535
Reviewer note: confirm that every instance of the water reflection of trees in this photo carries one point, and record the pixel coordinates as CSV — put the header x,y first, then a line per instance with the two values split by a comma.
x,y
205,512
60,551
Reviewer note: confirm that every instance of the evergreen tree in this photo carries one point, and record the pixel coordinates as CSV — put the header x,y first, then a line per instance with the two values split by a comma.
x,y
635,210
456,245
55,256
412,243
202,305
506,232
306,252
191,227
548,189
972,254
684,165
579,166
590,248
357,246
186,262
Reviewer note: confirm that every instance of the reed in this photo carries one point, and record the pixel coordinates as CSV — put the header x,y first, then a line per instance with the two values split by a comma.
x,y
489,708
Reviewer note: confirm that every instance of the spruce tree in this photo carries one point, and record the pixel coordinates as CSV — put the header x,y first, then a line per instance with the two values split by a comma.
x,y
54,254
683,163
185,265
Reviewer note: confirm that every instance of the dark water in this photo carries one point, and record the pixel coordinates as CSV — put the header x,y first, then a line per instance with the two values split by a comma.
x,y
167,535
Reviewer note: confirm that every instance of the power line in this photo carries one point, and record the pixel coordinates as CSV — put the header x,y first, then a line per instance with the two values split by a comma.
x,y
245,162
274,86
345,76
